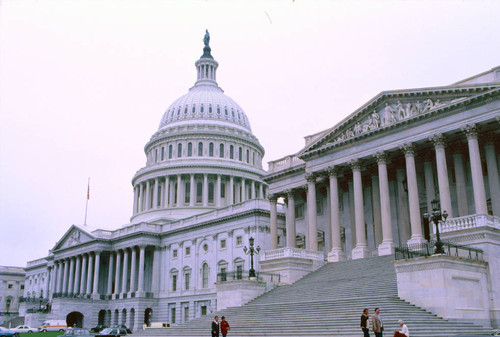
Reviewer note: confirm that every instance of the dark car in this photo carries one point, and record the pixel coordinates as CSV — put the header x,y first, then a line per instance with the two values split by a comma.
x,y
123,326
98,328
112,332
77,332
8,333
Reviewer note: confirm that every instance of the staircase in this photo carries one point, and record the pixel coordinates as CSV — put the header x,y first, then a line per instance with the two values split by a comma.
x,y
327,302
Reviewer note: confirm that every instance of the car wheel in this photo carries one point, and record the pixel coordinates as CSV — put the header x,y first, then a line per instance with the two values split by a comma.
x,y
29,331
44,330
61,330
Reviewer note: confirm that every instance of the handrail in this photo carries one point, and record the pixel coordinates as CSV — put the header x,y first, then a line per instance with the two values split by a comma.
x,y
427,249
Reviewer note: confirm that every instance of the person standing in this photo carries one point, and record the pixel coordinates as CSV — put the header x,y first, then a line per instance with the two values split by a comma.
x,y
365,323
215,327
404,332
378,327
224,326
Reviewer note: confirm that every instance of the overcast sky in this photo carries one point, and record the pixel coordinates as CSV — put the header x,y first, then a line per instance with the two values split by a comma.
x,y
84,84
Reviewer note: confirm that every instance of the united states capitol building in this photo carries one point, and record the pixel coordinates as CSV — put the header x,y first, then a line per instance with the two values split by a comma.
x,y
356,190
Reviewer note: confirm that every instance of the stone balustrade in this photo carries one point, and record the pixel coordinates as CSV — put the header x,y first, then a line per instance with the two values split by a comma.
x,y
284,163
469,221
292,252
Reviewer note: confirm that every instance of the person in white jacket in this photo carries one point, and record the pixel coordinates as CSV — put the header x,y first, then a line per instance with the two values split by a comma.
x,y
404,330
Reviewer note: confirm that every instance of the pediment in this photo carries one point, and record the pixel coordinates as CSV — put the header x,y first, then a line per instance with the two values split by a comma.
x,y
391,108
74,236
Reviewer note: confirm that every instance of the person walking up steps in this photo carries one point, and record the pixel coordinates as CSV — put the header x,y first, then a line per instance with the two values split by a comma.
x,y
365,323
377,325
224,326
215,327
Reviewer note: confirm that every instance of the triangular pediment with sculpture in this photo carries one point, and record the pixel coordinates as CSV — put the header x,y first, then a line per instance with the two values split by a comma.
x,y
74,236
391,108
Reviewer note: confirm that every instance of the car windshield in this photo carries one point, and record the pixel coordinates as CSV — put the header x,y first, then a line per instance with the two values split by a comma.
x,y
106,331
76,332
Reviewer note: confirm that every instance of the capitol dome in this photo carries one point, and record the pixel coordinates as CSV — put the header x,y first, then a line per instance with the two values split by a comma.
x,y
202,157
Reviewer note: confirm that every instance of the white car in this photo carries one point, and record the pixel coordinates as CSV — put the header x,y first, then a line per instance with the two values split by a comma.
x,y
24,328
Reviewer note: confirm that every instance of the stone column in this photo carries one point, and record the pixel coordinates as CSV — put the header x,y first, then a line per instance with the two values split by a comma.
x,y
336,254
125,272
192,191
217,191
361,249
117,273
290,219
261,191
273,221
476,170
172,192
231,190
148,195
155,273
458,163
133,270
76,284
387,245
377,218
95,294
136,194
442,171
492,166
205,190
165,193
244,193
66,276
71,275
312,230
53,285
414,204
141,196
109,289
140,287
83,282
59,277
430,191
155,194
253,190
180,202
90,273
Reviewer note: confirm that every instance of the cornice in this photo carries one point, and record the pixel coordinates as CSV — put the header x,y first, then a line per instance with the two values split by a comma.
x,y
275,175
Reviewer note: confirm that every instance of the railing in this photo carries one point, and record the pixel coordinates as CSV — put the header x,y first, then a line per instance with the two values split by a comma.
x,y
428,248
283,163
470,221
292,252
244,275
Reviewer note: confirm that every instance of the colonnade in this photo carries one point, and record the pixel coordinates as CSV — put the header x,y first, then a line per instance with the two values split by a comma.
x,y
189,190
351,172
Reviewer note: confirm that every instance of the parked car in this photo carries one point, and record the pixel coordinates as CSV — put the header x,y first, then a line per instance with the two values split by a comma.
x,y
8,333
123,326
24,328
53,325
98,328
112,332
77,332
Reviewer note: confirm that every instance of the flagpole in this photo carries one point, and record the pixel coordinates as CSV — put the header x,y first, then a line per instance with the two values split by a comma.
x,y
87,202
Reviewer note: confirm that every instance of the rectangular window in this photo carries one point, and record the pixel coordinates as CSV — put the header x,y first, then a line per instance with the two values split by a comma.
x,y
188,251
221,151
199,192
211,149
187,193
200,149
223,275
186,314
222,190
174,253
299,211
190,149
10,286
239,240
203,310
172,315
22,286
174,282
223,244
239,272
187,277
179,150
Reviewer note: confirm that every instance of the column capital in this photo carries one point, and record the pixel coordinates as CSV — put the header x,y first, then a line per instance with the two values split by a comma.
x,y
310,177
289,193
355,164
332,171
408,149
381,157
438,140
470,131
272,197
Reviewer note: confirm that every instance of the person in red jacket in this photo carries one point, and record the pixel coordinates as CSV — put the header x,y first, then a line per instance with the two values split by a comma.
x,y
224,326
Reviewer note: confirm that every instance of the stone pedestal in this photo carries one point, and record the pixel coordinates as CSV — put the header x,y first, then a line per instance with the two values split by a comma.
x,y
336,255
238,292
360,252
448,286
386,248
291,263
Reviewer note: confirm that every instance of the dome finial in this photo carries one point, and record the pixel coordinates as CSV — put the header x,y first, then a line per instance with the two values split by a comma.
x,y
206,49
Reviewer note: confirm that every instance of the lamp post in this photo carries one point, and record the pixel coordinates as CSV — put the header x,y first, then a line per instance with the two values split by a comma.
x,y
251,251
436,217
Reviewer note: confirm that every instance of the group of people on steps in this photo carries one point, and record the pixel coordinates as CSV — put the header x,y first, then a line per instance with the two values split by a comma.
x,y
377,326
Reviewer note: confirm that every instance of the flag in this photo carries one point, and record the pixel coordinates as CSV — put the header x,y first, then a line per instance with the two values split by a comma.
x,y
88,190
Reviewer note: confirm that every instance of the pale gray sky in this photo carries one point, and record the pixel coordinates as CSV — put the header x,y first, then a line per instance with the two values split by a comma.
x,y
84,84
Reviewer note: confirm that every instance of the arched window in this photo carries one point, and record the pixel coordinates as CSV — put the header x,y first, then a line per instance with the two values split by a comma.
x,y
221,150
225,111
210,108
193,109
190,149
201,109
179,150
211,192
200,149
179,111
240,154
248,156
199,192
185,110
174,273
253,158
222,190
231,152
170,152
187,193
211,149
156,155
218,110
162,153
204,274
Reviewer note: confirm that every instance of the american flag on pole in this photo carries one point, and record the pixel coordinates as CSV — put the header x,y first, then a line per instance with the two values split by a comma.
x,y
88,190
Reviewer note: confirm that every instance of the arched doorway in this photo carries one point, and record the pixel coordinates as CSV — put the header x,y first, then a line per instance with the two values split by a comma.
x,y
74,318
148,316
132,319
124,317
102,317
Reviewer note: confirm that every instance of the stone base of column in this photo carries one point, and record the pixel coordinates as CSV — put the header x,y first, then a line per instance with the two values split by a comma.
x,y
95,296
336,255
386,248
140,293
360,252
416,240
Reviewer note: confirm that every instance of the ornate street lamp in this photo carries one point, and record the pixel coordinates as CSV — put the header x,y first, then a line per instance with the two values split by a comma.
x,y
251,251
437,218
